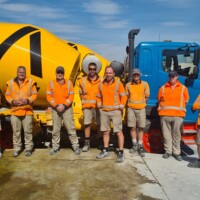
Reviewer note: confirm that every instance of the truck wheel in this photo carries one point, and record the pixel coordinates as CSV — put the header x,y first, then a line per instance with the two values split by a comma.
x,y
153,141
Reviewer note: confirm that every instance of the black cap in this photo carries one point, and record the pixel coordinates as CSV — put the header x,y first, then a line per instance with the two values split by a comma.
x,y
173,73
60,69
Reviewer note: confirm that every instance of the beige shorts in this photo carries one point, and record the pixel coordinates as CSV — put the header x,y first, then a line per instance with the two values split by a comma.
x,y
91,113
136,118
114,116
198,136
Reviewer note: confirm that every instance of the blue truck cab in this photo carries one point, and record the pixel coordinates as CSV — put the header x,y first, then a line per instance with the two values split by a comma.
x,y
155,60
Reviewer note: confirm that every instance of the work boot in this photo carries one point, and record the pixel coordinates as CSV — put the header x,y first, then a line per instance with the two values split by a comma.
x,y
195,164
166,155
86,146
16,153
178,157
28,153
103,154
53,151
141,150
134,148
120,157
76,149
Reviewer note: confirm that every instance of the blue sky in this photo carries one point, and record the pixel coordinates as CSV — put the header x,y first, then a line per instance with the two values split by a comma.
x,y
103,25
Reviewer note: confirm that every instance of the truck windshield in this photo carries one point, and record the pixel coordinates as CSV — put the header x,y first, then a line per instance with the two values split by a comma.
x,y
181,61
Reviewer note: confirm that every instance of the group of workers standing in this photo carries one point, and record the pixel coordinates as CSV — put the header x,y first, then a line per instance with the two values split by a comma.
x,y
104,100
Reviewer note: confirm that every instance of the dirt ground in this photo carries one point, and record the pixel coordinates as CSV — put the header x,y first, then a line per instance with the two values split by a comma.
x,y
68,176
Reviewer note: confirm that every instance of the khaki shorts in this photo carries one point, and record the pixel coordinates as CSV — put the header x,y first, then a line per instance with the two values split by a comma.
x,y
136,118
198,136
114,116
91,113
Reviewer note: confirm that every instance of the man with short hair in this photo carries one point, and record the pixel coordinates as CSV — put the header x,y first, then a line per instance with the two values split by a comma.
x,y
138,94
172,98
111,100
196,106
21,92
60,95
88,89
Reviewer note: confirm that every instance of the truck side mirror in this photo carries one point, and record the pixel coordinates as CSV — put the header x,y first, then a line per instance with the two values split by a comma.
x,y
196,57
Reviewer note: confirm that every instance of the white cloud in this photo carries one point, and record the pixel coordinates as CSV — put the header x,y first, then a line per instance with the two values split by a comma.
x,y
102,7
107,12
117,24
111,22
64,28
30,10
174,23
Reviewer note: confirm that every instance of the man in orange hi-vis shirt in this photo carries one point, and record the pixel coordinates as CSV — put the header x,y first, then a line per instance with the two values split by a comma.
x,y
196,106
21,92
172,98
138,93
88,89
60,95
111,100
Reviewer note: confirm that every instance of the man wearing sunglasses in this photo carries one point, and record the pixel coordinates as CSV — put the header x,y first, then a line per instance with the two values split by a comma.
x,y
138,93
60,95
88,89
172,98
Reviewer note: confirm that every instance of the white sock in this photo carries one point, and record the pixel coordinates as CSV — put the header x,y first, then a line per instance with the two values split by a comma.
x,y
134,141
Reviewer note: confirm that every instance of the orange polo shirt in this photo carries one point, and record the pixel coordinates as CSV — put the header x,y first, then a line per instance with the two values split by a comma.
x,y
27,90
88,91
172,101
137,94
111,96
60,93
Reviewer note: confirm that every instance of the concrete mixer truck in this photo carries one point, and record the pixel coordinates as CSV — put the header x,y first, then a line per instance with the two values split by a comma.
x,y
41,52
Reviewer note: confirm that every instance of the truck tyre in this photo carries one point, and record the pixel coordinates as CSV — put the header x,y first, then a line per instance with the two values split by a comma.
x,y
153,141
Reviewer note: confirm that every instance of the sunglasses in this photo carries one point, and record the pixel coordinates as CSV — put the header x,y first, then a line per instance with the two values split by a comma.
x,y
60,72
171,76
92,69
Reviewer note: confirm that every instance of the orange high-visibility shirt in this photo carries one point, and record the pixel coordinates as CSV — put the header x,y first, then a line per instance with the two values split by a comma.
x,y
27,90
172,102
196,106
60,94
111,96
88,91
137,94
